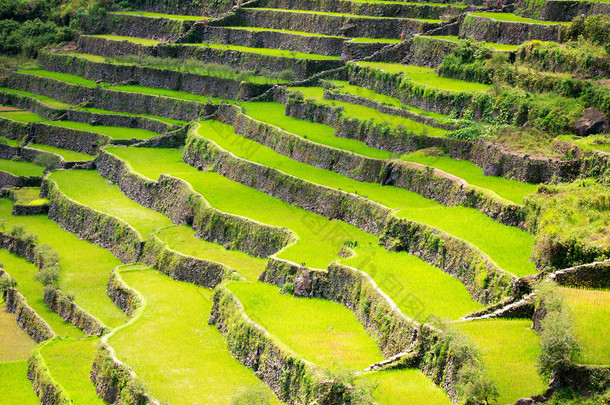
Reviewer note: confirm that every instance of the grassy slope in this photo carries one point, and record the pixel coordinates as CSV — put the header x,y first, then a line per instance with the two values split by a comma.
x,y
23,272
510,247
86,279
69,362
89,188
367,113
510,348
412,283
15,387
427,77
172,347
591,316
510,189
16,168
332,338
15,344
183,240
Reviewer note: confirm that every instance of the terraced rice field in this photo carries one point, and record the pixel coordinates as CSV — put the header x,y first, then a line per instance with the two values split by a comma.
x,y
183,343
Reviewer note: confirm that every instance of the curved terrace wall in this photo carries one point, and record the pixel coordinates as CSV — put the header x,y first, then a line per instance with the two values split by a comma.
x,y
111,100
176,199
94,226
508,32
9,180
26,317
561,10
128,25
209,86
48,390
303,68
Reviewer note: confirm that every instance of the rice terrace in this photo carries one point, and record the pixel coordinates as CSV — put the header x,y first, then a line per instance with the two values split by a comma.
x,y
309,202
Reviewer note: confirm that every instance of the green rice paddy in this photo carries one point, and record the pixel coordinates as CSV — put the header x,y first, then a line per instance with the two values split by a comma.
x,y
591,318
267,51
600,143
427,77
68,155
27,196
62,77
85,279
509,189
135,40
333,338
509,247
510,348
47,100
23,272
90,189
496,46
173,349
112,132
182,95
15,387
310,34
423,288
22,116
19,168
183,239
353,16
16,344
510,17
69,361
407,386
159,15
366,113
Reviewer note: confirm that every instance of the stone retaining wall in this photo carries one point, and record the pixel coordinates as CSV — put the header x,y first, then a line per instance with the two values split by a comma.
x,y
303,68
48,390
127,25
176,199
592,275
562,10
60,303
209,86
123,296
27,319
94,226
508,32
8,180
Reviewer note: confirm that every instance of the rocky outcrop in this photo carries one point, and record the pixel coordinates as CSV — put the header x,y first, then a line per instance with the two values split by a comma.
x,y
177,199
292,379
303,68
593,121
181,267
94,226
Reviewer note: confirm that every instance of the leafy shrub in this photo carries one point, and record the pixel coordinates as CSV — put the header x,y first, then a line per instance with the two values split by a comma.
x,y
476,386
48,275
595,28
47,160
6,282
255,395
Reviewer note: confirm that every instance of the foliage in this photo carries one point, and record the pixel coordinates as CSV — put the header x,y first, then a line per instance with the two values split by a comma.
x,y
47,160
359,391
595,28
6,282
559,346
468,61
254,395
476,386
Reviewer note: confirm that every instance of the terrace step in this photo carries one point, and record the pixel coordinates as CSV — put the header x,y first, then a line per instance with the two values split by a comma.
x,y
404,9
505,28
329,23
243,58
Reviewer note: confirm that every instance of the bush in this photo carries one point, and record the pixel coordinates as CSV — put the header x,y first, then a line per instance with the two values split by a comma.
x,y
6,282
48,276
45,255
47,160
476,386
255,395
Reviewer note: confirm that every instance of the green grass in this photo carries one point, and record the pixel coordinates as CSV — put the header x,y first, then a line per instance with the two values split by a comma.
x,y
367,113
10,142
273,113
134,40
15,387
267,51
69,362
494,45
182,239
68,155
86,279
310,34
508,246
510,348
15,344
155,117
509,189
112,132
90,189
515,18
427,77
182,95
591,317
62,77
408,386
28,196
412,283
600,143
23,272
158,15
17,168
47,100
173,349
332,338
22,116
